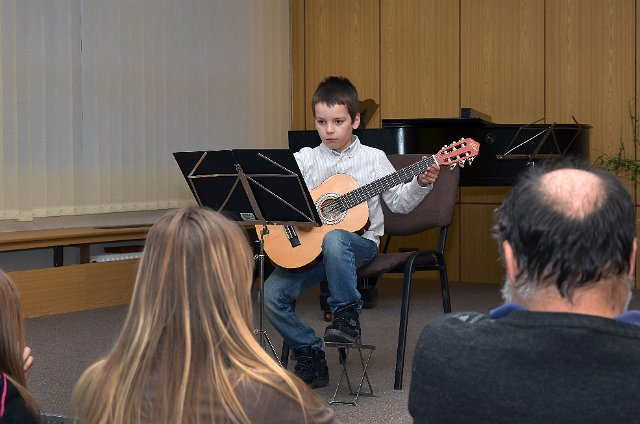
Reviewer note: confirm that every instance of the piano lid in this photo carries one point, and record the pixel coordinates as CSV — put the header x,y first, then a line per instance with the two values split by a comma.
x,y
434,122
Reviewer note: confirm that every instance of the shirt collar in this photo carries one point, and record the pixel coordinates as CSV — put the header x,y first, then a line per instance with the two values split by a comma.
x,y
504,310
630,317
349,151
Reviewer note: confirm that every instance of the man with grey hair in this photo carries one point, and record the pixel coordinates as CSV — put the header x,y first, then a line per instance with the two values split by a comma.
x,y
563,348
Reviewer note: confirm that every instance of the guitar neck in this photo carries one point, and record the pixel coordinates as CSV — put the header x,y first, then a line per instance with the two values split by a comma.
x,y
374,188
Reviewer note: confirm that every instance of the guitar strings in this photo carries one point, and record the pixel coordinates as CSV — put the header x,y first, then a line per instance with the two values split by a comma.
x,y
357,196
348,200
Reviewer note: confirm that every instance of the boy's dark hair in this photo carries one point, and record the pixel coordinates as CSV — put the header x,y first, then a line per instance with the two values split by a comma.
x,y
552,246
336,91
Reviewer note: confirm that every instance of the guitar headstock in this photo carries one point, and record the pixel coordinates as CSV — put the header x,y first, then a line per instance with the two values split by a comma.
x,y
463,150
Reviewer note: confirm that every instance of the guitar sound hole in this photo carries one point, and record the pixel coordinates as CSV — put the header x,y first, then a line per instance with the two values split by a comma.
x,y
330,212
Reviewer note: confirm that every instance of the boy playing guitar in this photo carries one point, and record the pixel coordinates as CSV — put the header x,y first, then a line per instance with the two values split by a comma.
x,y
335,110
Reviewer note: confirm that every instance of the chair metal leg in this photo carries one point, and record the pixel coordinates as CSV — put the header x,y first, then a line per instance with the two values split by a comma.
x,y
284,356
444,284
404,321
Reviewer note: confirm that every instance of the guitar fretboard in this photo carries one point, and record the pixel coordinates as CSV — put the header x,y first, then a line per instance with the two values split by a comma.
x,y
374,188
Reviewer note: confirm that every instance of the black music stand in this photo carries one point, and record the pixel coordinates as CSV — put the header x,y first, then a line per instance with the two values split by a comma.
x,y
522,147
258,187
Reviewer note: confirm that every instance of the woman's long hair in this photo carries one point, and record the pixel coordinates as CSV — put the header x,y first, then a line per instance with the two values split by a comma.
x,y
12,340
188,333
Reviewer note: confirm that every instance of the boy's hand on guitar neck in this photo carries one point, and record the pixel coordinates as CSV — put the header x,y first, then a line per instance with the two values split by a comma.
x,y
430,175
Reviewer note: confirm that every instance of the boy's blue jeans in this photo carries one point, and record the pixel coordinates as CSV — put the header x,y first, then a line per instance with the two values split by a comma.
x,y
343,252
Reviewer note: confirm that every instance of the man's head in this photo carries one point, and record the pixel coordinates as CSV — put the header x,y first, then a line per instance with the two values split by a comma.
x,y
568,227
335,112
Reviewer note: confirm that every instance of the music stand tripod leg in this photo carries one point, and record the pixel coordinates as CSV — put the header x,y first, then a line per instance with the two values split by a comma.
x,y
264,338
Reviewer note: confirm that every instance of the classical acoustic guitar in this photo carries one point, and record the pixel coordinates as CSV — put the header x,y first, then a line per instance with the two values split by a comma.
x,y
341,204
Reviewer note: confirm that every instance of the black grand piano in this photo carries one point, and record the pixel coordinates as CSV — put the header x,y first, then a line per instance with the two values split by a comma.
x,y
505,149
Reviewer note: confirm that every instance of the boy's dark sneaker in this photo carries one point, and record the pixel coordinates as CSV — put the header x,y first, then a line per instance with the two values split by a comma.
x,y
345,327
311,366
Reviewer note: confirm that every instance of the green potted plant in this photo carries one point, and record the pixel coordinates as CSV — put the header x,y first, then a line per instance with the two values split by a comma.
x,y
622,163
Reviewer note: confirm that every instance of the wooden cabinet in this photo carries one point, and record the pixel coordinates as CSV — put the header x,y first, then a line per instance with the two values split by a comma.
x,y
61,289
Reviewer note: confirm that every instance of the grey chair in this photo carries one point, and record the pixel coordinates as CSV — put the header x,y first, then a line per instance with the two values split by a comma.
x,y
434,212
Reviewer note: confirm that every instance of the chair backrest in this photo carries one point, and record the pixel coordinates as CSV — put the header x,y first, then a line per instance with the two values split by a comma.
x,y
436,210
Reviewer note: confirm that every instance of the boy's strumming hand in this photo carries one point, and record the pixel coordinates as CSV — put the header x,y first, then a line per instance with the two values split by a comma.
x,y
430,175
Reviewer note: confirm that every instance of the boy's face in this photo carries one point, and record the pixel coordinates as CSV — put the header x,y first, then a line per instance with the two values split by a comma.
x,y
334,125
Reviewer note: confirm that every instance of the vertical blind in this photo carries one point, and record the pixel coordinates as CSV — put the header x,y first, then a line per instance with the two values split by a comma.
x,y
96,95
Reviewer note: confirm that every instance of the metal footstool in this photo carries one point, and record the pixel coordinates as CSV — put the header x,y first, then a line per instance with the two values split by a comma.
x,y
343,355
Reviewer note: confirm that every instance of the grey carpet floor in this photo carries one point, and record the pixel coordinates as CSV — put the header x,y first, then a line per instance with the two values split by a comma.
x,y
64,345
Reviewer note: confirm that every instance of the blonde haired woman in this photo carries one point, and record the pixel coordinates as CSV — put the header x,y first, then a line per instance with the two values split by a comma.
x,y
187,352
16,403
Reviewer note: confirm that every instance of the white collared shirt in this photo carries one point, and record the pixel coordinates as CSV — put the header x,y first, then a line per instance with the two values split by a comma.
x,y
364,164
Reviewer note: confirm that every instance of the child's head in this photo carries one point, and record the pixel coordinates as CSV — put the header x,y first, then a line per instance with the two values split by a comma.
x,y
11,330
188,332
336,91
195,276
335,112
12,341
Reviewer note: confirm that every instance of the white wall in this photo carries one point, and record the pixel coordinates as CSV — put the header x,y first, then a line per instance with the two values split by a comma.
x,y
96,95
119,85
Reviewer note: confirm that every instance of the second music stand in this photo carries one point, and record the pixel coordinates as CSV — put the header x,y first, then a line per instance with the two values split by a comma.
x,y
254,187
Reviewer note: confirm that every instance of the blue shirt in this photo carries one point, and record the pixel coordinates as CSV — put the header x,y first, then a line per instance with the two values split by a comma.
x,y
630,317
